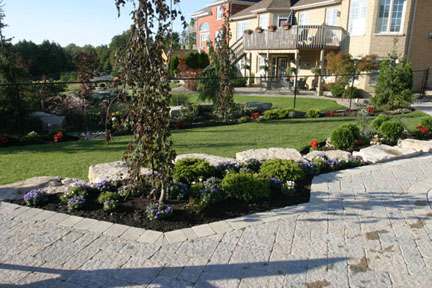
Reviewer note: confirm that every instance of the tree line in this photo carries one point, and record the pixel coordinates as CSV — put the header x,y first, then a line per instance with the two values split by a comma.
x,y
50,61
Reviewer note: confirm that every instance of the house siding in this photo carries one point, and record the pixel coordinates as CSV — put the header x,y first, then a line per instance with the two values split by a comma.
x,y
214,24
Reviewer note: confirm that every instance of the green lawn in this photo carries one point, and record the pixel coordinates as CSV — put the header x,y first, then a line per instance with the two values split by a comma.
x,y
72,159
302,104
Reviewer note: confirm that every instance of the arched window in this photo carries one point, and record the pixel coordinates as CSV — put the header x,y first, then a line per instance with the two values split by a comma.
x,y
204,27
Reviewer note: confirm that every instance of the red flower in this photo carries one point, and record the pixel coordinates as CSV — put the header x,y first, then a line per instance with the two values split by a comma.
x,y
423,130
255,115
371,109
314,144
58,137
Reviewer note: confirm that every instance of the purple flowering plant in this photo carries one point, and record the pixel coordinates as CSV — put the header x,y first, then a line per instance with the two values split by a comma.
x,y
156,212
75,202
75,197
34,197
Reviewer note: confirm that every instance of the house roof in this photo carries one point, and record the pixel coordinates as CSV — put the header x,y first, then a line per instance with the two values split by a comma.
x,y
263,6
206,11
305,4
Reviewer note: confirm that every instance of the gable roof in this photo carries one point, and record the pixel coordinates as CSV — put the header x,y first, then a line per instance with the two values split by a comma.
x,y
306,4
263,6
206,11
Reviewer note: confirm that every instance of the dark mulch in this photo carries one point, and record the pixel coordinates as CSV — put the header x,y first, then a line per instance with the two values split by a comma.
x,y
132,212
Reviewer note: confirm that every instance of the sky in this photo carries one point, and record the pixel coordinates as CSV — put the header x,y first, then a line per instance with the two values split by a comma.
x,y
81,22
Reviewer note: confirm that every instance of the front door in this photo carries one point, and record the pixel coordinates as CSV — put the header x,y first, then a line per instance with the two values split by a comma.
x,y
283,64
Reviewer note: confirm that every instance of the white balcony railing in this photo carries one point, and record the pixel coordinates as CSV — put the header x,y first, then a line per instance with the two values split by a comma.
x,y
306,36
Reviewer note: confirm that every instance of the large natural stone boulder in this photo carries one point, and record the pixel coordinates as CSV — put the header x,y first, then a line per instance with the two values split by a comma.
x,y
114,171
269,153
335,155
215,161
418,145
17,190
383,153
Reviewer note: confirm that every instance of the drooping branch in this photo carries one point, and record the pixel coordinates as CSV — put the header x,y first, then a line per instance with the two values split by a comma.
x,y
145,75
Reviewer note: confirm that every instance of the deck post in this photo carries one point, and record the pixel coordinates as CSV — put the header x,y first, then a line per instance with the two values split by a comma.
x,y
297,66
321,70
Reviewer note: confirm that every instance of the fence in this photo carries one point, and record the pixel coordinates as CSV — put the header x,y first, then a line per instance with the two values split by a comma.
x,y
42,96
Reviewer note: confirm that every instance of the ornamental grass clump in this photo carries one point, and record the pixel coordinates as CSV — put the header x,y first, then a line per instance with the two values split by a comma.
x,y
34,198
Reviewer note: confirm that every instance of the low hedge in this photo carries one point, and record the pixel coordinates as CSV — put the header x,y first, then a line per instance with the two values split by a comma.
x,y
247,187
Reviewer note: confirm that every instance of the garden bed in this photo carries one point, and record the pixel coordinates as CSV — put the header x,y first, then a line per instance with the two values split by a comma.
x,y
133,211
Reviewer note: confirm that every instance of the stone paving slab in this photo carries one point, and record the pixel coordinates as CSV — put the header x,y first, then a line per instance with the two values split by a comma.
x,y
365,227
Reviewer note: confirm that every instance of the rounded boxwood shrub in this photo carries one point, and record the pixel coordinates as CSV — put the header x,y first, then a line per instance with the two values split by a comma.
x,y
379,120
345,137
391,131
337,90
313,113
284,170
190,170
246,187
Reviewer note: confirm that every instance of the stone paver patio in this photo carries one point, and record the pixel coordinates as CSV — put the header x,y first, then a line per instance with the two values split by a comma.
x,y
366,227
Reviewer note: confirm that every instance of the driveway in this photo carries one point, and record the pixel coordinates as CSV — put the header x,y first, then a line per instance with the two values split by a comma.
x,y
365,227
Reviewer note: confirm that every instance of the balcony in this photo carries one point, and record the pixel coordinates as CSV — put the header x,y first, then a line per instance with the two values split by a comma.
x,y
298,37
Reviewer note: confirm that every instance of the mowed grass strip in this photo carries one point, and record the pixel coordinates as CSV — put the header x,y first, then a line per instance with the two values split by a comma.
x,y
72,159
302,103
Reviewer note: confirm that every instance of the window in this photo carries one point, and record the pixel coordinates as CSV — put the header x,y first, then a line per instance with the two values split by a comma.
x,y
302,19
219,12
283,20
390,16
264,20
358,17
204,39
241,27
331,16
204,27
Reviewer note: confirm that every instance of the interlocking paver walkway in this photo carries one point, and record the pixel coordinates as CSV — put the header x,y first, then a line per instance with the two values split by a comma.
x,y
366,227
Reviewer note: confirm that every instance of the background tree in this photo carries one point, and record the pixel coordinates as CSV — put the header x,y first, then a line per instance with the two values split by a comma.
x,y
145,74
394,86
346,69
12,106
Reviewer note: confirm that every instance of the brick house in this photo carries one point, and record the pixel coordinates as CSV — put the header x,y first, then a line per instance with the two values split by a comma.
x,y
307,30
209,20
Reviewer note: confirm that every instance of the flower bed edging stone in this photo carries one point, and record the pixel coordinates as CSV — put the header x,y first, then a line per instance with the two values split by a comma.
x,y
14,212
383,153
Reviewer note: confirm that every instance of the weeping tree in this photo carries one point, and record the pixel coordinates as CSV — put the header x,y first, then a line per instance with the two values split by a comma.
x,y
145,75
224,107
